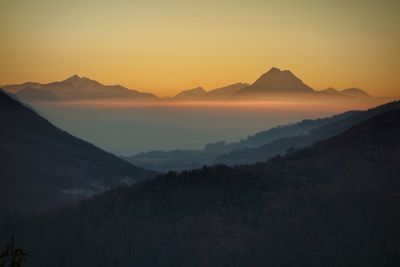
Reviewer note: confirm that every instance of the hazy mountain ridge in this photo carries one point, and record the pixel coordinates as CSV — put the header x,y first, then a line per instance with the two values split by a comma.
x,y
195,158
77,88
188,159
33,94
281,146
274,84
260,146
226,91
43,167
317,206
14,88
352,92
279,132
222,93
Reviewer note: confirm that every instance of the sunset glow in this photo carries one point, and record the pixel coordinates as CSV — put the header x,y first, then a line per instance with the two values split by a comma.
x,y
164,47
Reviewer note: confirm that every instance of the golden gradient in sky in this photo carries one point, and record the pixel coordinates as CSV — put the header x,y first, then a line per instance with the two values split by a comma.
x,y
166,46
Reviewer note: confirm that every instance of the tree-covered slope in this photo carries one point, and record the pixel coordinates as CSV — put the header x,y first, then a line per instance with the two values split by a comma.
x,y
332,204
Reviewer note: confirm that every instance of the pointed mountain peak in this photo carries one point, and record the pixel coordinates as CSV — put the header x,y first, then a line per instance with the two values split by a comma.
x,y
73,78
81,81
276,75
276,81
273,70
77,78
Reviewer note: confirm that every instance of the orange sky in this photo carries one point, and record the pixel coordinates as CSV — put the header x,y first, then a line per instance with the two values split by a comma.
x,y
167,46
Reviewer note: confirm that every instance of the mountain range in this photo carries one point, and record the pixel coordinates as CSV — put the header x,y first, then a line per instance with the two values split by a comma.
x,y
199,93
334,203
43,167
273,84
352,92
74,88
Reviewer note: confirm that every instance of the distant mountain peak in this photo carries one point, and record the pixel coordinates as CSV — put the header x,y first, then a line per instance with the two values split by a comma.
x,y
276,81
273,70
73,78
278,78
276,71
79,79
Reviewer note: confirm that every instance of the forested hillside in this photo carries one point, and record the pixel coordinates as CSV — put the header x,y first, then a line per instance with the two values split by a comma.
x,y
332,204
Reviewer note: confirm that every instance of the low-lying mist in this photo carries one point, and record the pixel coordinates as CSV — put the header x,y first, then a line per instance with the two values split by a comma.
x,y
127,127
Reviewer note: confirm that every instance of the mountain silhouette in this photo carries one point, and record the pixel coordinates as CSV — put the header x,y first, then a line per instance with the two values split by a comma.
x,y
44,167
275,82
349,92
198,93
81,88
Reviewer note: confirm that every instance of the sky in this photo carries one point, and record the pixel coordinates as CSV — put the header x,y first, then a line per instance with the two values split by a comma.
x,y
166,46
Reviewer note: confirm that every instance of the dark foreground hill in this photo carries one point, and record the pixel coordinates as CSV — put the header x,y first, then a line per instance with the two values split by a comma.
x,y
42,166
332,204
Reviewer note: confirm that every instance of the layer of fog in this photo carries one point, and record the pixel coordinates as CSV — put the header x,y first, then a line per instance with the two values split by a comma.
x,y
126,128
